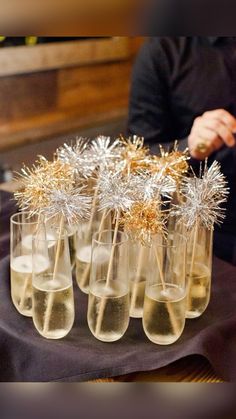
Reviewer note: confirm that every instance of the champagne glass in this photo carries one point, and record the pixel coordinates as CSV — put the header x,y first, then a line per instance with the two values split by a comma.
x,y
165,294
23,226
108,307
53,298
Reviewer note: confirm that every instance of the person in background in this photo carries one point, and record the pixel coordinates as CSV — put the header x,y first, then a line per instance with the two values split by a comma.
x,y
185,88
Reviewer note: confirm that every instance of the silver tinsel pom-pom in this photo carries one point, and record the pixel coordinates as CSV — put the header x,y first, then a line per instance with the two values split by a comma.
x,y
70,204
115,192
103,150
147,187
75,156
203,198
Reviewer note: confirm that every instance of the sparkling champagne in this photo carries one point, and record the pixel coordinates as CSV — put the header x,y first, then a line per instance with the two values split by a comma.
x,y
53,303
137,292
108,310
83,261
164,313
21,281
199,288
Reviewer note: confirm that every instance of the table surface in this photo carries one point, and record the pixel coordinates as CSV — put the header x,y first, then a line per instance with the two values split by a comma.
x,y
194,369
189,369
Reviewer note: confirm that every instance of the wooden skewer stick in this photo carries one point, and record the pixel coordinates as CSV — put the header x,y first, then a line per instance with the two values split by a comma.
x,y
137,278
190,279
104,216
85,276
92,214
48,311
103,300
113,249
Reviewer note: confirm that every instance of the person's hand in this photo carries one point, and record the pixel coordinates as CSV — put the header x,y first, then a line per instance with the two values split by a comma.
x,y
210,132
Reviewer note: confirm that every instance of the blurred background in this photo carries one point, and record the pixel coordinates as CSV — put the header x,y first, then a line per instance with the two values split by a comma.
x,y
71,17
53,89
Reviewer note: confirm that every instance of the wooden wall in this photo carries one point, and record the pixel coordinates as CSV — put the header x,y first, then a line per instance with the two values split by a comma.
x,y
40,104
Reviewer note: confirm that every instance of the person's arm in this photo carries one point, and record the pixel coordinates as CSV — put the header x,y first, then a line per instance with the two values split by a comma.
x,y
149,113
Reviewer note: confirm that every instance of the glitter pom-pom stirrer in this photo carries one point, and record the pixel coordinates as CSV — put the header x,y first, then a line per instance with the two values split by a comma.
x,y
202,202
144,221
115,194
48,190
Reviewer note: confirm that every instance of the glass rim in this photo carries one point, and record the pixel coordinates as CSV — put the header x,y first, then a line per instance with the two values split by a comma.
x,y
172,246
20,213
97,233
51,240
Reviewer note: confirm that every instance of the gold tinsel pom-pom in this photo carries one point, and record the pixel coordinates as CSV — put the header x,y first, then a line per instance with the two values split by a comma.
x,y
172,163
133,153
38,180
144,220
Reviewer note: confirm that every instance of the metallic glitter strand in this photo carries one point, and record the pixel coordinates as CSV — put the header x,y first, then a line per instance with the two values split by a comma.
x,y
76,157
70,204
148,186
203,198
171,163
49,190
37,181
103,151
133,153
144,220
115,193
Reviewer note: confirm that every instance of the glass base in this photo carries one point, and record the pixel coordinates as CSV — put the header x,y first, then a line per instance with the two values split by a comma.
x,y
136,314
164,340
57,334
25,313
85,290
193,314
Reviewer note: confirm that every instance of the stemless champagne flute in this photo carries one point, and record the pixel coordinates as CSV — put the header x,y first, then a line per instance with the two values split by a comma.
x,y
23,227
53,298
108,307
199,268
165,295
52,228
86,230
